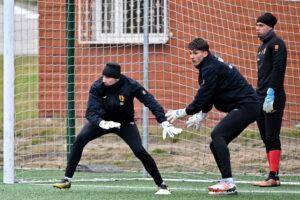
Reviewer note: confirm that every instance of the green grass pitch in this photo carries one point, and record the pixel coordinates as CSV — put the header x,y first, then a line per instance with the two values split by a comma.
x,y
124,189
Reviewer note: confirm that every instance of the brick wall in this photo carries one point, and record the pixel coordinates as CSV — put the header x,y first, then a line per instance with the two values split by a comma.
x,y
229,29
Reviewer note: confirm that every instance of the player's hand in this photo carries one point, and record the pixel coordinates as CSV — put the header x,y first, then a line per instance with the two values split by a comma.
x,y
109,124
169,129
269,101
172,115
196,120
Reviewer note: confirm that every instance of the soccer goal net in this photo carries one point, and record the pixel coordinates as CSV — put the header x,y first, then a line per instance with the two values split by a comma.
x,y
59,54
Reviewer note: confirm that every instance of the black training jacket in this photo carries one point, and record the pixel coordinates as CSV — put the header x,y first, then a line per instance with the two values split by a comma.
x,y
221,85
116,102
271,62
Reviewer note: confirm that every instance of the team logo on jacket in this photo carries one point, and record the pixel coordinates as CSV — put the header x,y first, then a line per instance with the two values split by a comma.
x,y
263,51
122,99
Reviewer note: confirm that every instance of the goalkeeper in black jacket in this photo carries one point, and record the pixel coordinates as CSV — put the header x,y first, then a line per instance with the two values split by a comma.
x,y
110,109
222,86
271,61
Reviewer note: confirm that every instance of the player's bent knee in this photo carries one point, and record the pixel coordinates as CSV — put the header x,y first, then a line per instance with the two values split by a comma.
x,y
140,153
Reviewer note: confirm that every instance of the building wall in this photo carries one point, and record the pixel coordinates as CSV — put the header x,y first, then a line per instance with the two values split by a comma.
x,y
229,29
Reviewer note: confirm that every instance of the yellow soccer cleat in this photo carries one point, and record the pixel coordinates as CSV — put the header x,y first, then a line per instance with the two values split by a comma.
x,y
63,184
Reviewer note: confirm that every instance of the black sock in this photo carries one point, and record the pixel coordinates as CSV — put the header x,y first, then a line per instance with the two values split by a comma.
x,y
273,175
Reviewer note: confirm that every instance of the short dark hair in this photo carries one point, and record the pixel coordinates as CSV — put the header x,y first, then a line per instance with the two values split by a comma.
x,y
199,44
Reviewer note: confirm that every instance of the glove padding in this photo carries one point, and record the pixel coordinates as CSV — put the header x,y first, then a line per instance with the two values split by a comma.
x,y
269,100
109,124
169,129
196,120
172,115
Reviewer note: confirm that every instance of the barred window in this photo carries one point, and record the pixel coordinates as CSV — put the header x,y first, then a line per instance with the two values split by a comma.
x,y
121,21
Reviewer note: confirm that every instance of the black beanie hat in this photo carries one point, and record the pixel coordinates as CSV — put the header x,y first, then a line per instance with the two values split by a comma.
x,y
112,70
267,19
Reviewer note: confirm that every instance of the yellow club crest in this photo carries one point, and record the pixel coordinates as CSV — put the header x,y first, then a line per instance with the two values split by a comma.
x,y
121,98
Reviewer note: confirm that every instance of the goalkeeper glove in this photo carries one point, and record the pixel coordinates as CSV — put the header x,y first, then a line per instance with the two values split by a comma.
x,y
109,124
172,115
196,120
169,129
269,100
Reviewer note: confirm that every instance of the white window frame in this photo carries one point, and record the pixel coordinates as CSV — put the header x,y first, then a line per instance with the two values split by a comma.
x,y
118,37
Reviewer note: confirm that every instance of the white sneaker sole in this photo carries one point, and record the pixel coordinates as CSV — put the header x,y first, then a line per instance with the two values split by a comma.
x,y
222,193
163,192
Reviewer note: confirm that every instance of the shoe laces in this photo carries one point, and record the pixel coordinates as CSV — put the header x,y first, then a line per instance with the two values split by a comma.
x,y
219,183
274,178
65,180
163,186
224,182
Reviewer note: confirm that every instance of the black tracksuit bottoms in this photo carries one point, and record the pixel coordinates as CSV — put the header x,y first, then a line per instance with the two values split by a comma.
x,y
229,128
128,132
269,124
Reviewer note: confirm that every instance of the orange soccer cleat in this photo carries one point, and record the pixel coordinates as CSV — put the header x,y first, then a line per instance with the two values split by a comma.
x,y
268,183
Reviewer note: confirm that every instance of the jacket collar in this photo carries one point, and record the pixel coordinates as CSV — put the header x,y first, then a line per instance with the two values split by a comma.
x,y
204,61
116,85
268,36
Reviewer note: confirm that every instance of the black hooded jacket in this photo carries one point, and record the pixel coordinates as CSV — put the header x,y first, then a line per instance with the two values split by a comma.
x,y
116,102
271,62
221,85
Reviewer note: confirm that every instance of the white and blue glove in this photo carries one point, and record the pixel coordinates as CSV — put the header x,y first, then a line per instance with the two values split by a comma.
x,y
269,100
172,115
169,129
196,120
109,124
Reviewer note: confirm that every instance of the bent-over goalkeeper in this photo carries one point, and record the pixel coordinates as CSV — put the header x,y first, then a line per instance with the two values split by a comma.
x,y
222,86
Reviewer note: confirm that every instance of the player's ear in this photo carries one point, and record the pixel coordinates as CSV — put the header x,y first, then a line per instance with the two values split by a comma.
x,y
205,53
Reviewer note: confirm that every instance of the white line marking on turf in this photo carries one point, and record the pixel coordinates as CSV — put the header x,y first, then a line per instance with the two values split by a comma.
x,y
180,189
150,179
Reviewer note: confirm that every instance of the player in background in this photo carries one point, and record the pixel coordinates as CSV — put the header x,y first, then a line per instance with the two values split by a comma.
x,y
222,86
110,109
271,62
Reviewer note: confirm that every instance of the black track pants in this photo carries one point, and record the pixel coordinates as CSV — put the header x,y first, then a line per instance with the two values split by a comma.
x,y
128,132
269,124
228,129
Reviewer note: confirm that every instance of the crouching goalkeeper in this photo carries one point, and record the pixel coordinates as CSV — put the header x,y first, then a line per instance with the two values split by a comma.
x,y
110,109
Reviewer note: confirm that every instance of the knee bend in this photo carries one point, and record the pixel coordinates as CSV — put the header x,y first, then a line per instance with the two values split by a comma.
x,y
215,136
140,152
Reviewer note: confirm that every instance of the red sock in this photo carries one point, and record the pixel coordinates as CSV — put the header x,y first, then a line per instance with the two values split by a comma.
x,y
268,158
274,159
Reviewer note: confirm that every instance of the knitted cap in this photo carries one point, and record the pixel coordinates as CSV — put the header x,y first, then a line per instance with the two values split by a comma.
x,y
112,70
267,19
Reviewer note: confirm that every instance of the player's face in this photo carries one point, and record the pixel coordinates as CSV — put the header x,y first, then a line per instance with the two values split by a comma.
x,y
197,56
109,81
262,29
